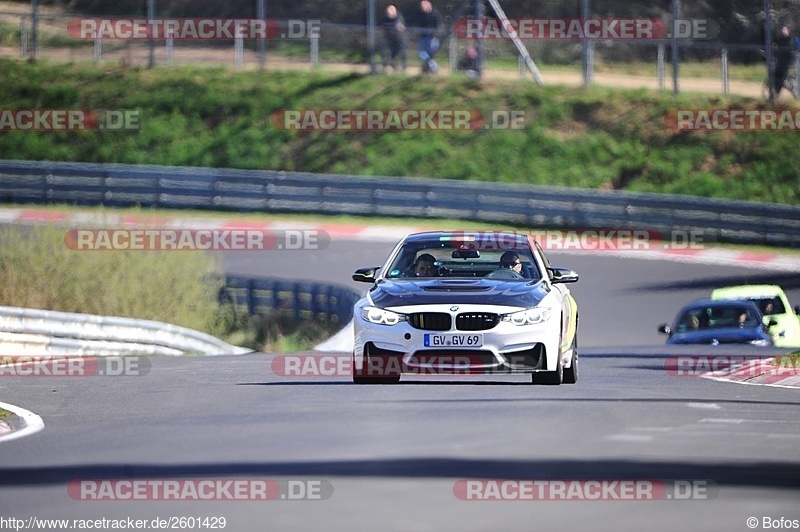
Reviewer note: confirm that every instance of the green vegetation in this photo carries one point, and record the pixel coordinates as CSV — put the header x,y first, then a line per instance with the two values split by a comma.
x,y
5,413
788,363
597,138
276,332
37,270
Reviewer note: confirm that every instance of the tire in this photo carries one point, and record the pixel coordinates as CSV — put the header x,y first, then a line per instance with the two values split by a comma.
x,y
571,373
358,375
372,376
550,378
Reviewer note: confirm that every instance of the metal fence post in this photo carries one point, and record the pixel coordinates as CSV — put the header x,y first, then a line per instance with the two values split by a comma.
x,y
675,14
768,46
453,52
170,49
480,14
373,69
587,50
661,66
238,48
23,38
34,28
314,50
151,43
725,85
97,50
261,14
797,75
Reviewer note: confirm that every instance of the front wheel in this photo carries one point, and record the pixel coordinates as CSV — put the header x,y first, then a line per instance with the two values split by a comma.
x,y
376,370
550,378
571,373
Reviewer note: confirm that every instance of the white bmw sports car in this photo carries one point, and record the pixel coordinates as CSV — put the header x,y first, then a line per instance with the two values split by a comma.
x,y
458,303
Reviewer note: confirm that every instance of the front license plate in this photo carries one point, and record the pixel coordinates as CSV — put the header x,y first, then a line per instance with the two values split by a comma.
x,y
453,340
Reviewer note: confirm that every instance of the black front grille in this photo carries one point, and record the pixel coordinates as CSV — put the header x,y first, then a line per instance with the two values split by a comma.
x,y
476,321
462,358
430,321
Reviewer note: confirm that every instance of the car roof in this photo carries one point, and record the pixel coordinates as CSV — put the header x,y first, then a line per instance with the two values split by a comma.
x,y
750,290
470,235
719,303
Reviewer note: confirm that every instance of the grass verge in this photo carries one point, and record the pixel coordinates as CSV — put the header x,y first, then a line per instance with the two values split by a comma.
x,y
37,270
599,138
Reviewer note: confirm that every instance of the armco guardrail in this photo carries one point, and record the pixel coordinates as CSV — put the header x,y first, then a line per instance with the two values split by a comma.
x,y
69,334
273,191
295,299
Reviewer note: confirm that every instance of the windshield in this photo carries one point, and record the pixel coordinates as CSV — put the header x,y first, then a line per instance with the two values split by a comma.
x,y
716,317
445,258
769,306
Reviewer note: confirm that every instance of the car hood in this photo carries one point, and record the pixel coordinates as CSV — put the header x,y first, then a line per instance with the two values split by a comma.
x,y
396,293
723,336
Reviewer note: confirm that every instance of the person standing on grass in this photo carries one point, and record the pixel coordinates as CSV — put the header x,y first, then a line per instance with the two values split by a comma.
x,y
394,39
428,20
784,55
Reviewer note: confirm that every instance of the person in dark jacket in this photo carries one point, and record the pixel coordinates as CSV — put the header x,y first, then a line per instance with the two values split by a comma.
x,y
394,39
428,20
784,54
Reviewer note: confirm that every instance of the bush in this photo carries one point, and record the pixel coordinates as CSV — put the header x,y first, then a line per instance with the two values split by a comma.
x,y
38,270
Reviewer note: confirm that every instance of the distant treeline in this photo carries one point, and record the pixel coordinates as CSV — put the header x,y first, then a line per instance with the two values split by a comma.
x,y
740,21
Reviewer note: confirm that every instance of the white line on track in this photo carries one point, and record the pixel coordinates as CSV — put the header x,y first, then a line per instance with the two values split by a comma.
x,y
33,423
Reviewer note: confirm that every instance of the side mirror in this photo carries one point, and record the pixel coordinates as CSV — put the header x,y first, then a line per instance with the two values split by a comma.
x,y
664,329
366,275
563,275
797,309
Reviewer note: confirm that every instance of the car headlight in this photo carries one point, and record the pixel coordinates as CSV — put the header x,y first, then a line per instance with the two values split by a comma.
x,y
380,316
760,342
529,317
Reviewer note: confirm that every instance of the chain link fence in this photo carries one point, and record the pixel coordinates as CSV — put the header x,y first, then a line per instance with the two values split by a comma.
x,y
709,46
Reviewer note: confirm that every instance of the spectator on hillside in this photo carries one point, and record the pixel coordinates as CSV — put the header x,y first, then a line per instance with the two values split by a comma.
x,y
469,63
428,20
784,55
394,39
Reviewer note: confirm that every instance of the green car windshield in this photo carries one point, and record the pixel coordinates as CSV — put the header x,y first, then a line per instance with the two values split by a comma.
x,y
769,306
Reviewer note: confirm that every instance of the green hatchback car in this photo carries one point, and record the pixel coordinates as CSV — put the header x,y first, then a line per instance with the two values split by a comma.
x,y
772,302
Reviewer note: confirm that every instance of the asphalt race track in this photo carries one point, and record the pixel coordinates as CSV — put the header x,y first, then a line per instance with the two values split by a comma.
x,y
403,457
